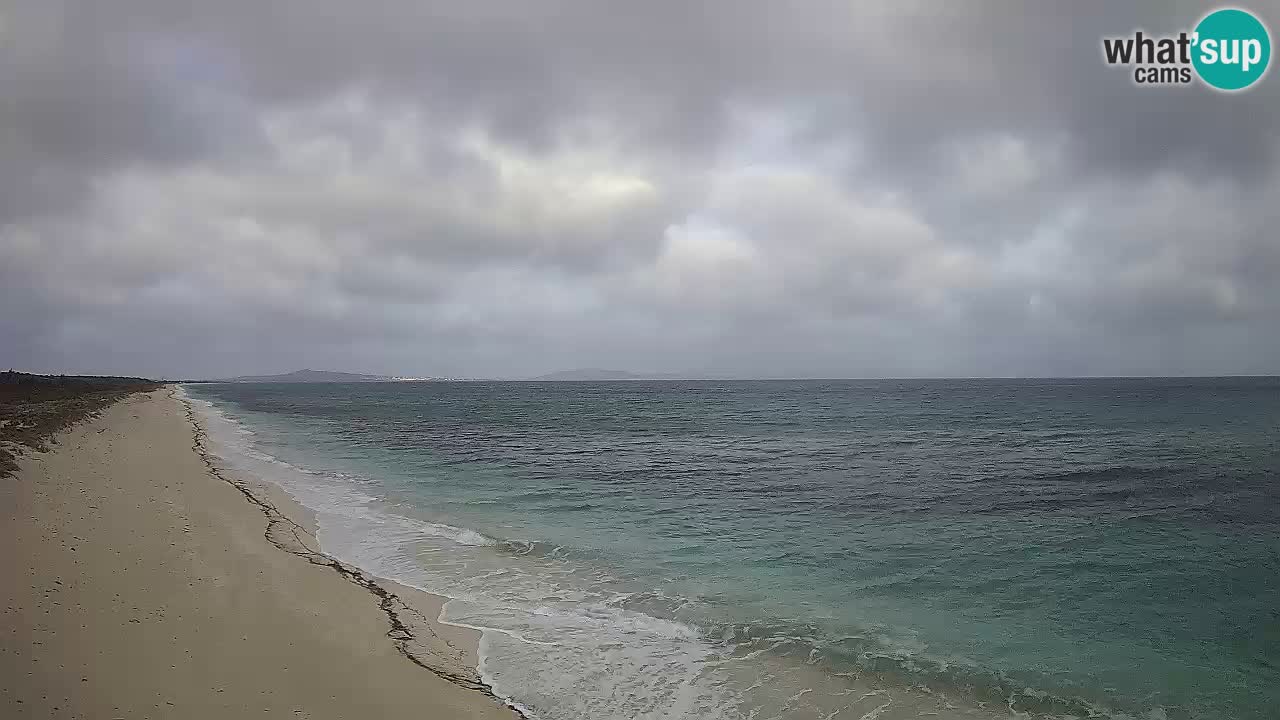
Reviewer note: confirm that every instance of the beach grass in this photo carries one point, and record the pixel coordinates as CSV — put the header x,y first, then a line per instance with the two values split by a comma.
x,y
34,408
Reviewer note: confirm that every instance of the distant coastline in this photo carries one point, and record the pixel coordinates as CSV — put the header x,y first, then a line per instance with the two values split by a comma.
x,y
607,375
326,376
600,375
307,376
333,376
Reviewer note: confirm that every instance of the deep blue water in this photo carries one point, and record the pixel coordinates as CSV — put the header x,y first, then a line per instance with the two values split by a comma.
x,y
1051,547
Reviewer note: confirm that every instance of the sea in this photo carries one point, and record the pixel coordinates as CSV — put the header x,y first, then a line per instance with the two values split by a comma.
x,y
818,549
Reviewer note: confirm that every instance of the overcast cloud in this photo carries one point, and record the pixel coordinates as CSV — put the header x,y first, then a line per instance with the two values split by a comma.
x,y
508,188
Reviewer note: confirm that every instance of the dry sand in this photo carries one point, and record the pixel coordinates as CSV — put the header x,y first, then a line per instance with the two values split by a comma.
x,y
139,582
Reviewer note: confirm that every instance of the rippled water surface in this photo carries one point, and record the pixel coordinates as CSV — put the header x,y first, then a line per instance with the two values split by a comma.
x,y
840,549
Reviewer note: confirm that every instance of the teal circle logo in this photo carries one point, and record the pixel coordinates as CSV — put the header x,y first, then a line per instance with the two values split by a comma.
x,y
1232,49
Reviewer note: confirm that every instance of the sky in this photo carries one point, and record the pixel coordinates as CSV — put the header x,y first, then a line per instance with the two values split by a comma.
x,y
735,188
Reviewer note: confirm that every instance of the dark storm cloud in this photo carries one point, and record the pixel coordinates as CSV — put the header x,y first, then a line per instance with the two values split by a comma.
x,y
504,188
79,97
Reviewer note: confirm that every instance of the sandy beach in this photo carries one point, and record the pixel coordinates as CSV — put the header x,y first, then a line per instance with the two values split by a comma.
x,y
141,582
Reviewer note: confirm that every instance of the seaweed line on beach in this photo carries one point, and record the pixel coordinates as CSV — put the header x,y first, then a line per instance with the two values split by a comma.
x,y
287,535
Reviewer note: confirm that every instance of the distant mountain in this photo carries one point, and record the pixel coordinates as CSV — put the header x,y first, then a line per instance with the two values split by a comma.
x,y
597,375
309,376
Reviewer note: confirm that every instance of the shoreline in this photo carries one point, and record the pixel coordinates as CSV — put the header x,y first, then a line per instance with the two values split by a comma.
x,y
142,589
291,527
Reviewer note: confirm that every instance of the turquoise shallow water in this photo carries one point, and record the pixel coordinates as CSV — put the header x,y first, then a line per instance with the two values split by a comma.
x,y
843,549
